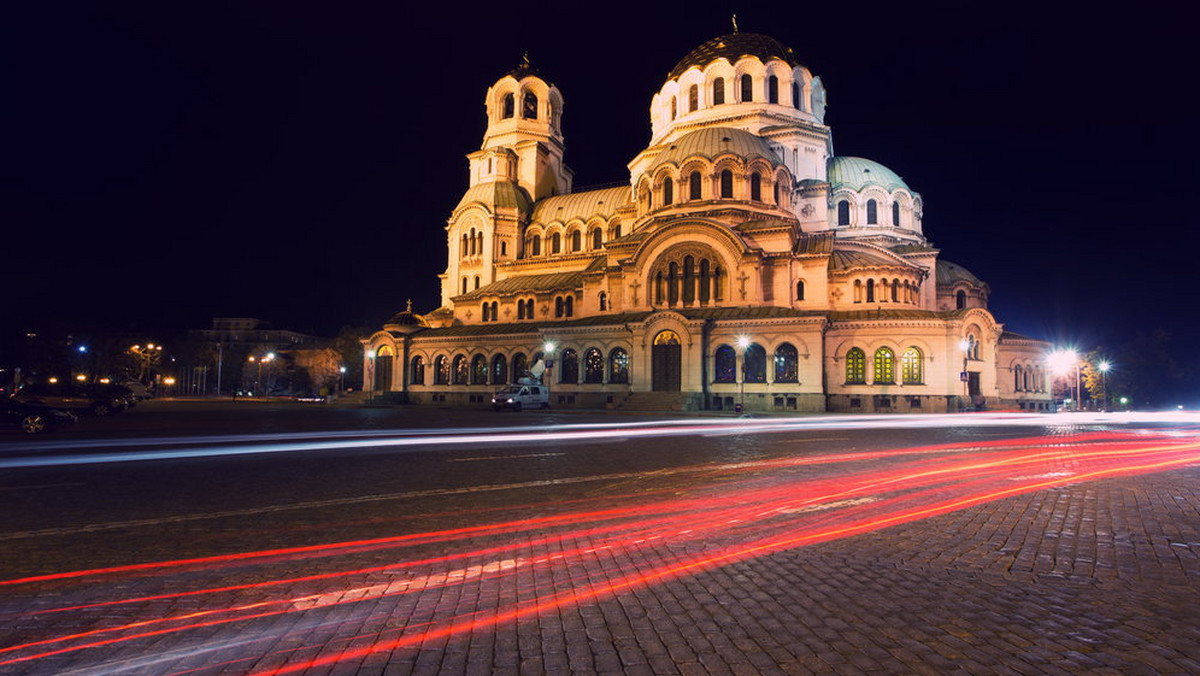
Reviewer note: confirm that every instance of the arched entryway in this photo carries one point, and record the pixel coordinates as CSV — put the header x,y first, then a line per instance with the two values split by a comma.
x,y
383,368
666,362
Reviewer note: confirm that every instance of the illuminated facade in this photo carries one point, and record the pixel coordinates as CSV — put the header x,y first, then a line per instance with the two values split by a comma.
x,y
743,263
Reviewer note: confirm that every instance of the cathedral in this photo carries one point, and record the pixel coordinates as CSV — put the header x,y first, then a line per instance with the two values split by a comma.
x,y
742,266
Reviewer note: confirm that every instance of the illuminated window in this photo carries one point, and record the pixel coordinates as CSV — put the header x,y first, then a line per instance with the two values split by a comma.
x,y
843,213
872,213
618,366
911,367
509,106
754,364
727,183
756,187
693,98
593,366
441,370
884,367
569,372
694,186
529,110
416,374
856,367
460,370
747,89
725,365
772,89
787,364
718,93
479,370
499,370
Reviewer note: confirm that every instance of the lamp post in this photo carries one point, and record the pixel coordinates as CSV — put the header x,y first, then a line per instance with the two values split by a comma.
x,y
1104,366
743,342
1061,362
341,379
964,346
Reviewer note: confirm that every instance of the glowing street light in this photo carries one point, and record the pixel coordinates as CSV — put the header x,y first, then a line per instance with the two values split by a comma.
x,y
1061,362
1104,366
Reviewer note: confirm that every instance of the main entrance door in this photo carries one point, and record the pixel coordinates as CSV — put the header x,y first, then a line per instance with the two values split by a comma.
x,y
383,368
666,362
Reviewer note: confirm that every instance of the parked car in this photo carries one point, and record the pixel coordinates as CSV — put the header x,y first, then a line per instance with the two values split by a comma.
x,y
32,419
517,397
99,400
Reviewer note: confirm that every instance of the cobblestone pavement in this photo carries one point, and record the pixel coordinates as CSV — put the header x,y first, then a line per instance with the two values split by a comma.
x,y
773,565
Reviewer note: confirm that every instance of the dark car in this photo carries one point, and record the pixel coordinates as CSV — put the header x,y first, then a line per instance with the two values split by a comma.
x,y
98,400
32,419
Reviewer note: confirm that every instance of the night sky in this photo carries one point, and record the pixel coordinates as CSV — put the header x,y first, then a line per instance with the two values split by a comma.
x,y
167,163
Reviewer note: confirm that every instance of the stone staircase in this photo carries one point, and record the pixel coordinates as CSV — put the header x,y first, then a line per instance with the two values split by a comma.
x,y
660,401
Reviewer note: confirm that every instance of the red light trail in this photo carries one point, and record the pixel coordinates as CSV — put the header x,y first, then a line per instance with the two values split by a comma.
x,y
745,510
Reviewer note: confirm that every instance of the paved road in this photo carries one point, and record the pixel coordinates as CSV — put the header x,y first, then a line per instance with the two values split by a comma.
x,y
405,541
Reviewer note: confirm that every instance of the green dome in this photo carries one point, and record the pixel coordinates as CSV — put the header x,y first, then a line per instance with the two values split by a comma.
x,y
713,142
857,173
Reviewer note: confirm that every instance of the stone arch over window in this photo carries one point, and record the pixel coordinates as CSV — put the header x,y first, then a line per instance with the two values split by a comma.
x,y
529,106
754,364
872,212
718,91
856,367
618,366
884,367
912,366
593,366
843,212
499,370
416,372
725,365
569,371
772,89
441,370
479,370
787,364
747,88
689,274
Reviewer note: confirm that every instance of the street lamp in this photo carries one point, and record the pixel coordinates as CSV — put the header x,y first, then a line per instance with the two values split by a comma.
x,y
1061,362
341,379
1104,366
964,346
743,342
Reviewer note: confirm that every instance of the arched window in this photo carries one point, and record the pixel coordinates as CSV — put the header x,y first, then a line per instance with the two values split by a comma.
x,y
499,370
1017,377
558,306
787,364
870,291
576,240
535,246
597,238
593,366
800,290
569,306
416,374
529,110
556,243
674,107
726,184
972,347
616,232
460,370
718,93
476,281
754,364
773,89
484,311
756,187
884,367
520,367
603,298
896,214
911,367
441,370
858,291
464,249
960,299
479,370
796,96
509,106
569,373
895,291
856,367
464,284
843,213
694,185
872,213
725,365
693,98
668,191
618,366
747,88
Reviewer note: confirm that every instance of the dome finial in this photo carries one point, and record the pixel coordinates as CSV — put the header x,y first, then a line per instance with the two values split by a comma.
x,y
525,58
408,306
735,28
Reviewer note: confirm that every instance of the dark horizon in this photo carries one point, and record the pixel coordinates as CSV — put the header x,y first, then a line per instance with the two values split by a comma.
x,y
297,164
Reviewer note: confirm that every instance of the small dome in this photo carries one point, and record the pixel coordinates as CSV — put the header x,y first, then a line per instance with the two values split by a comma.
x,y
857,173
713,142
406,321
948,273
733,47
496,194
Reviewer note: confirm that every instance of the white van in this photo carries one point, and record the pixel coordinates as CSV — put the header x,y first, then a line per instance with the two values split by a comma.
x,y
518,397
